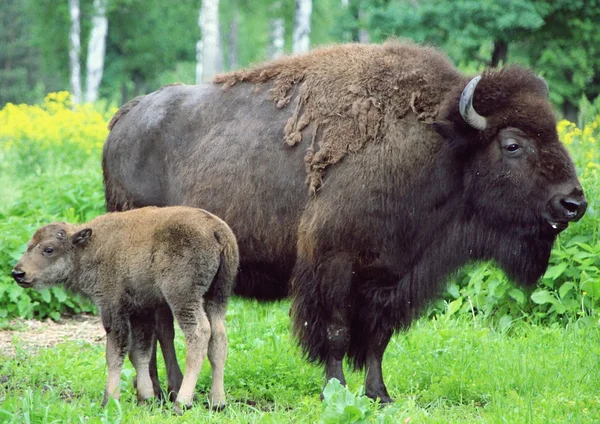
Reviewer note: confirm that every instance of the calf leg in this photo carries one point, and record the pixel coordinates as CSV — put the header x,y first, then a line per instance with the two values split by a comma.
x,y
117,344
165,333
142,331
374,385
217,352
196,329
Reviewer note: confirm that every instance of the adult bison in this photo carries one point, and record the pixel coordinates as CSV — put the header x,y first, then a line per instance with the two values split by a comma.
x,y
357,177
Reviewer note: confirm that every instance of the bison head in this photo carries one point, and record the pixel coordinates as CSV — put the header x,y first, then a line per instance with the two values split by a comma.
x,y
50,256
518,181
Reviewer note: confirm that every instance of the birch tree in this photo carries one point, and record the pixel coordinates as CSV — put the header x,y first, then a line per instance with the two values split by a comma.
x,y
74,48
302,26
208,51
276,31
233,38
96,51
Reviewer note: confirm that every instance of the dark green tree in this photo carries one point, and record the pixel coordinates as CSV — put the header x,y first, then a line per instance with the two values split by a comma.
x,y
20,77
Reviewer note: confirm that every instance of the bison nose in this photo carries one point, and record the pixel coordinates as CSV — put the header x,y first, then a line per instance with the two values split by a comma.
x,y
18,275
572,206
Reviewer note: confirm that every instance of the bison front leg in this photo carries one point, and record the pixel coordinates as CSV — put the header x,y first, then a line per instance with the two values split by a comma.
x,y
374,385
322,309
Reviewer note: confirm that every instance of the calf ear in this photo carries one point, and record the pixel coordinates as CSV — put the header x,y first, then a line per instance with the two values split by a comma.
x,y
81,237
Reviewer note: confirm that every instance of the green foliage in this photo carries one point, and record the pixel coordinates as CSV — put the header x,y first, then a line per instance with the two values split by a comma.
x,y
340,406
588,111
19,61
559,39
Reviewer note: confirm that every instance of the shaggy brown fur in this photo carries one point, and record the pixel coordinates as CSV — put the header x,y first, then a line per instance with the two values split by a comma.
x,y
408,191
349,94
133,263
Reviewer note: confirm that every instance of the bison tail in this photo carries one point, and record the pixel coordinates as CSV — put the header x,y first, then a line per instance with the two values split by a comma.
x,y
309,327
115,196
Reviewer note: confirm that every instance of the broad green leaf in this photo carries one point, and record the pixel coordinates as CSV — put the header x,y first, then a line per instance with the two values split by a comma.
x,y
518,295
565,289
543,296
555,271
454,306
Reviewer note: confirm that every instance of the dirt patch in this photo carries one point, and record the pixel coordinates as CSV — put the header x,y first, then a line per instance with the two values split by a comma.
x,y
33,335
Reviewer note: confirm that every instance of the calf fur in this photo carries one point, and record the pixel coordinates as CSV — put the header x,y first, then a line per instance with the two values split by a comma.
x,y
133,264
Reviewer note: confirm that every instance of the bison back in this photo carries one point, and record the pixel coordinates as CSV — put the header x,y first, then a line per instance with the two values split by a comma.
x,y
222,151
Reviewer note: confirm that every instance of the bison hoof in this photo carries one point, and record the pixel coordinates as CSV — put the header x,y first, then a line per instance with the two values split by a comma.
x,y
384,400
172,395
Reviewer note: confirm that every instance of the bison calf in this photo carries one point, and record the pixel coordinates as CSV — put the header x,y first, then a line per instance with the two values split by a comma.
x,y
130,264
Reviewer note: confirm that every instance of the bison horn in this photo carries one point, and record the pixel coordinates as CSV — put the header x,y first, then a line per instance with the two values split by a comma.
x,y
467,111
546,84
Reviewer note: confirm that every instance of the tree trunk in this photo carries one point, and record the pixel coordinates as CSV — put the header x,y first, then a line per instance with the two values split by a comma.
x,y
233,39
124,93
500,53
276,32
569,111
96,51
302,26
74,48
347,35
208,53
363,34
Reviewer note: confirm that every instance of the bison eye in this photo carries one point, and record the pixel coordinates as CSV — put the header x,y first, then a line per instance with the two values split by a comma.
x,y
512,148
48,251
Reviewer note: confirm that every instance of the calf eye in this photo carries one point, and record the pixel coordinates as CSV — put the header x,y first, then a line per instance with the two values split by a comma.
x,y
48,251
512,147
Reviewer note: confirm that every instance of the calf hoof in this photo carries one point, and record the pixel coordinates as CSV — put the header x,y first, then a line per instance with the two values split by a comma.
x,y
147,400
217,406
179,408
107,398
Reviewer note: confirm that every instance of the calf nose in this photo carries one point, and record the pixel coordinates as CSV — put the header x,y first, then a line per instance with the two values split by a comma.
x,y
573,207
18,275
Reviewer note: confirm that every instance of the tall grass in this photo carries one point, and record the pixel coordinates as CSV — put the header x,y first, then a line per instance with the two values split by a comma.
x,y
447,370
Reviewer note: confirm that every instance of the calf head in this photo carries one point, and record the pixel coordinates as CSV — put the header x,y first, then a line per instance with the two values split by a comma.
x,y
50,255
518,181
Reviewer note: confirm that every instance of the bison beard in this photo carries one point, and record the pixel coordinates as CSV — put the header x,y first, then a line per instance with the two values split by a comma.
x,y
365,193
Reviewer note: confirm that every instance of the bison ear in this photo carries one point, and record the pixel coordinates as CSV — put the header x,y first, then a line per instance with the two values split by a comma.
x,y
444,128
81,237
449,132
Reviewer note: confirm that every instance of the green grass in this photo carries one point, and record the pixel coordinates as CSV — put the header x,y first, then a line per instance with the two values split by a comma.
x,y
451,370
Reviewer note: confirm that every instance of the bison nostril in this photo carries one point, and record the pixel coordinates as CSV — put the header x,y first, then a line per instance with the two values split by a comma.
x,y
575,208
18,275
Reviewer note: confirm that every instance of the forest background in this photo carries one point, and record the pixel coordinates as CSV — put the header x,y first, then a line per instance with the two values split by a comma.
x,y
114,50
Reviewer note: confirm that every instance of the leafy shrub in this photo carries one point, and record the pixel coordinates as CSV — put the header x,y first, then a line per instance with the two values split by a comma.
x,y
50,171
